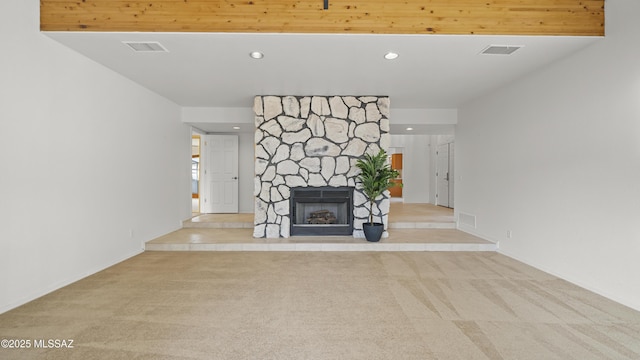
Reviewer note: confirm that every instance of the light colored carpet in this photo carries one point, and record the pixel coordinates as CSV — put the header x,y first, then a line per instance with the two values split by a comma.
x,y
318,305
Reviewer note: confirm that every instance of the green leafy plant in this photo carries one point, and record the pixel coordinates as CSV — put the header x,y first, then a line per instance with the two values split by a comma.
x,y
375,176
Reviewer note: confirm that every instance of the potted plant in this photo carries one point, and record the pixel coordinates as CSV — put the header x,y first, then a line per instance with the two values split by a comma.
x,y
375,176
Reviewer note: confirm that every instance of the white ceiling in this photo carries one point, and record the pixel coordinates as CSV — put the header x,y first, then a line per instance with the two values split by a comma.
x,y
215,70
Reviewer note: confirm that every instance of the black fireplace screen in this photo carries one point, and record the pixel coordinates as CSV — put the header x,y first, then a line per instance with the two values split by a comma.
x,y
322,211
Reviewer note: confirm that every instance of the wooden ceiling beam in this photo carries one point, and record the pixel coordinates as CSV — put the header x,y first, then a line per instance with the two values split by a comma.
x,y
463,17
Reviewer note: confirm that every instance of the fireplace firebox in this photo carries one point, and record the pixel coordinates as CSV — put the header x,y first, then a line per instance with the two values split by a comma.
x,y
321,211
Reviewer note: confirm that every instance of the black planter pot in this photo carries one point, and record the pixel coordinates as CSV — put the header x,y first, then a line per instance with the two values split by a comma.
x,y
373,231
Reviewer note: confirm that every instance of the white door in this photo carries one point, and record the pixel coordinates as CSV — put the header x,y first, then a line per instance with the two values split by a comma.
x,y
451,177
442,175
220,174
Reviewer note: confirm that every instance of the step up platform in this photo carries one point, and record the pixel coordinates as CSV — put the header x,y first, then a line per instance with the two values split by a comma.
x,y
224,239
412,227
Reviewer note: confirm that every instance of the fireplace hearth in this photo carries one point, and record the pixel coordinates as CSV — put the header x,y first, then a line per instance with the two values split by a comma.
x,y
321,211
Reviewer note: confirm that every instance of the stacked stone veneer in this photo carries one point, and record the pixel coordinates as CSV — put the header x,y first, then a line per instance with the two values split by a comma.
x,y
314,141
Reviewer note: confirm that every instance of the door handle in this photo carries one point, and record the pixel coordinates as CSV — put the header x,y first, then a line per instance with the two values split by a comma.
x,y
234,178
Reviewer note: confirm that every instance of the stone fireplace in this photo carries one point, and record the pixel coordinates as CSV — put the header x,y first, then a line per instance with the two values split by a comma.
x,y
314,142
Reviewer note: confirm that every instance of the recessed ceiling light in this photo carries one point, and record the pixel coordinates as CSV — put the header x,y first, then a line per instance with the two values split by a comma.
x,y
409,128
391,56
256,54
236,128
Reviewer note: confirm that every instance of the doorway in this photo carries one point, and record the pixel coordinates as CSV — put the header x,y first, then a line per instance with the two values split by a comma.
x,y
195,173
219,171
444,175
396,161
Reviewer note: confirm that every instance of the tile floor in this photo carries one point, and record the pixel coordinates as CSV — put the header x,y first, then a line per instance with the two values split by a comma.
x,y
412,227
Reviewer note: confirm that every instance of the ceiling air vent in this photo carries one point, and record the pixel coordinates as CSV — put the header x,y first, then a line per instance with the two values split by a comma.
x,y
500,49
145,46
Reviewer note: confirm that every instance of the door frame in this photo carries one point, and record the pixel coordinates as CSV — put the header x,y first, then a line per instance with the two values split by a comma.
x,y
449,176
206,164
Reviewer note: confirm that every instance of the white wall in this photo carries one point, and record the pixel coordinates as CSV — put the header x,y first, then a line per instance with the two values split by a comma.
x,y
246,172
207,115
555,157
91,164
424,116
415,166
